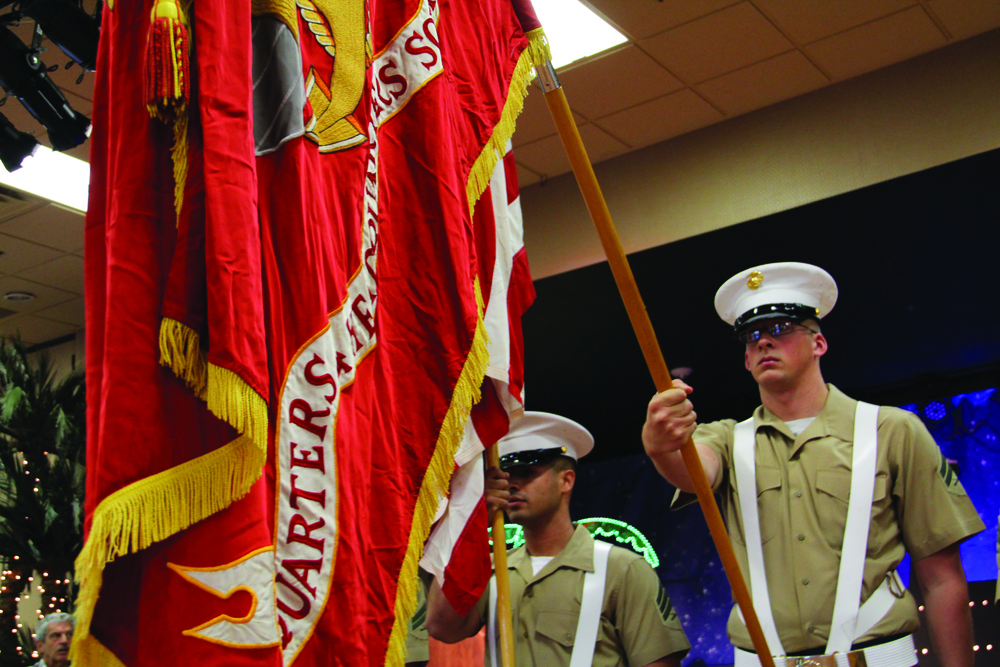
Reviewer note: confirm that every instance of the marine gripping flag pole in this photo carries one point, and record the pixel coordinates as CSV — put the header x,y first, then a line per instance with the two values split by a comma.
x,y
584,171
505,623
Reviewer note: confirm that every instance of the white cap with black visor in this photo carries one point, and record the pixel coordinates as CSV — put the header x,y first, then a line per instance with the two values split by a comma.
x,y
541,437
790,290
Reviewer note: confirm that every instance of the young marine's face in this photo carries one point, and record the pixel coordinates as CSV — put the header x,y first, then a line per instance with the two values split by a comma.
x,y
777,362
535,492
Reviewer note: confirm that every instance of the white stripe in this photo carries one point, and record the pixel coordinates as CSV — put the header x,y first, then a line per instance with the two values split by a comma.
x,y
491,625
744,440
591,604
855,546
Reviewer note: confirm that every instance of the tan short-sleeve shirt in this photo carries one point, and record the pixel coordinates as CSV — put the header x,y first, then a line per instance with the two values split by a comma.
x,y
803,485
638,623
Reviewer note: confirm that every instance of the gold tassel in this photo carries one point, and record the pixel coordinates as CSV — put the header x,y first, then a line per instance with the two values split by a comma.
x,y
167,67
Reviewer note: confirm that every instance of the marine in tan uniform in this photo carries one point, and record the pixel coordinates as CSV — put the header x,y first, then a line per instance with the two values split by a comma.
x,y
803,441
636,623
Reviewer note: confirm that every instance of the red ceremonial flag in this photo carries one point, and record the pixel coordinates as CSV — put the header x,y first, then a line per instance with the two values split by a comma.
x,y
284,275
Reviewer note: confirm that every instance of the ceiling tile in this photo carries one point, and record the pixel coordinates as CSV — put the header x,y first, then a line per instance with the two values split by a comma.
x,y
661,119
806,21
34,330
616,81
14,202
764,83
639,19
547,157
965,18
45,296
70,312
535,120
722,42
19,255
65,273
871,46
52,225
525,176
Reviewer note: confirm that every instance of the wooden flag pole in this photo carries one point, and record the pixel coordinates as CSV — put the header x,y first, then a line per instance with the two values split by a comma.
x,y
584,171
505,625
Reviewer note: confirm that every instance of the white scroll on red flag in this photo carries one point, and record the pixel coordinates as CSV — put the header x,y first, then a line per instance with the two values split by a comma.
x,y
292,312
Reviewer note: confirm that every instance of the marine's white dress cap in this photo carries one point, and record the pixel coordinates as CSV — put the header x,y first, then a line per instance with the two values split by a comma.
x,y
540,437
784,289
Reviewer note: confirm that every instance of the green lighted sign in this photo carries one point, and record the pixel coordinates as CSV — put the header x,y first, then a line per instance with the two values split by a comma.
x,y
609,530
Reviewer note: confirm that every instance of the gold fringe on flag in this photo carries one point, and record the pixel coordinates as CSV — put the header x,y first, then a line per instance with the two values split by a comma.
x,y
228,395
179,156
153,509
180,351
436,482
89,651
496,146
232,400
538,47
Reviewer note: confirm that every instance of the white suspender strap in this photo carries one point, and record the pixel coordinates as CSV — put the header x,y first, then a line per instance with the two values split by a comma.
x,y
855,547
879,603
744,440
590,608
491,623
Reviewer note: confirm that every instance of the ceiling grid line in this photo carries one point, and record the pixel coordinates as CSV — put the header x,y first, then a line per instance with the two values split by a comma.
x,y
936,20
787,35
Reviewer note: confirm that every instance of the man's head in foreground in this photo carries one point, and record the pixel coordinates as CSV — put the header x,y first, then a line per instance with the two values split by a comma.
x,y
53,637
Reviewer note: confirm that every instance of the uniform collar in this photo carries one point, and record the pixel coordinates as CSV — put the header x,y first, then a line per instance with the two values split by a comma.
x,y
578,554
836,419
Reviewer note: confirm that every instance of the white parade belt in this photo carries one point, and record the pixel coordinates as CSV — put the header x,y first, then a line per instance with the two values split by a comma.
x,y
897,653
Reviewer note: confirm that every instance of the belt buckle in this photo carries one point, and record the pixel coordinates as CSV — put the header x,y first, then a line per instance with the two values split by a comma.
x,y
814,661
854,659
822,661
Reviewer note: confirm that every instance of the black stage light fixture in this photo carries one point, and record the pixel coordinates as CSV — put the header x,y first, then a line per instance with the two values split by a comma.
x,y
22,74
14,145
68,26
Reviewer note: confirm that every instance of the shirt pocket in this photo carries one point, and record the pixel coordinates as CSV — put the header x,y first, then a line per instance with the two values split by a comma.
x,y
833,493
557,626
768,501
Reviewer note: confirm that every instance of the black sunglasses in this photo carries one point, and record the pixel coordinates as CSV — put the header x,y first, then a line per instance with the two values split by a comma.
x,y
774,330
